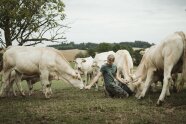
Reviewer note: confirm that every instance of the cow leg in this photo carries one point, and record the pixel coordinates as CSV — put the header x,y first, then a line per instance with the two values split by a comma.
x,y
96,86
11,85
89,77
167,78
18,77
45,83
30,87
86,78
181,84
169,83
126,74
5,83
12,90
167,92
147,84
51,88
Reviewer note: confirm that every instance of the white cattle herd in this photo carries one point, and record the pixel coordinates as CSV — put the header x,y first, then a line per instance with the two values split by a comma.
x,y
45,64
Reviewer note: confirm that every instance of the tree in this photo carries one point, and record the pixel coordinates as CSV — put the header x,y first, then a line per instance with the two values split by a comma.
x,y
104,47
31,20
91,52
116,47
137,57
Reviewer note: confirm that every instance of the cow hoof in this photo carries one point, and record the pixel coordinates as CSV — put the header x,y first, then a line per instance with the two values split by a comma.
x,y
159,103
96,89
23,94
140,97
48,95
168,95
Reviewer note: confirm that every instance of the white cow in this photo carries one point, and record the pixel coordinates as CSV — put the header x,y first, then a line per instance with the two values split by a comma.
x,y
124,63
47,63
162,59
101,58
84,66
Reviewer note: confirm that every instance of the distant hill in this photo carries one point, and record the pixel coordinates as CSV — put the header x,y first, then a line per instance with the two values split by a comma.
x,y
70,54
136,48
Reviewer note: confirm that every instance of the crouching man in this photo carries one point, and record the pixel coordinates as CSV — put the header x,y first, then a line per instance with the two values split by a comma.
x,y
115,86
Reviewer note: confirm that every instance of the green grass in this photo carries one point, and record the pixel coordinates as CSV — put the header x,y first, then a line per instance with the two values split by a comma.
x,y
73,106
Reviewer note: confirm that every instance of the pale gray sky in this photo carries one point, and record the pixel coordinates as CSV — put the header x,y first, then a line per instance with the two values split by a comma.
x,y
123,20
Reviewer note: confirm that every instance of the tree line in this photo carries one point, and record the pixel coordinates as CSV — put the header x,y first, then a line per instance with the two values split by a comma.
x,y
86,46
93,48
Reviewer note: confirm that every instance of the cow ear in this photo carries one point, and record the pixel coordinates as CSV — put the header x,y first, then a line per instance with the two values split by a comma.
x,y
83,60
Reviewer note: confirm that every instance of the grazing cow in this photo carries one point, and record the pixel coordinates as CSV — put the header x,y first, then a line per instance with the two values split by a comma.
x,y
84,66
159,77
124,63
162,59
47,63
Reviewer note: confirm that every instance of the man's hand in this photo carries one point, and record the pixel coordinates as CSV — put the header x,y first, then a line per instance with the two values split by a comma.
x,y
125,81
87,87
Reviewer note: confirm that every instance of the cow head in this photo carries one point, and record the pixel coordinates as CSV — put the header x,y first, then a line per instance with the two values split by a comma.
x,y
78,64
136,85
139,87
76,80
47,90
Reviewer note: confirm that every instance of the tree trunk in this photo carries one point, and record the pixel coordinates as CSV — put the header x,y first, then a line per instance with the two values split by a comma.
x,y
7,33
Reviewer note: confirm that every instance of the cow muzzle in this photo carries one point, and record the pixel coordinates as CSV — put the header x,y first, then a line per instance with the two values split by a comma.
x,y
48,92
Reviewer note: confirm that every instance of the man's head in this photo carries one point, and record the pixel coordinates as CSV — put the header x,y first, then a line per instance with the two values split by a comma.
x,y
110,59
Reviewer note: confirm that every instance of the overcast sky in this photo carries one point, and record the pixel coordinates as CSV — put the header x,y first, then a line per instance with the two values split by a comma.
x,y
123,20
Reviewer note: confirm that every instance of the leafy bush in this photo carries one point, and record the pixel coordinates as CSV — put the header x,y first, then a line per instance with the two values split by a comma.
x,y
137,57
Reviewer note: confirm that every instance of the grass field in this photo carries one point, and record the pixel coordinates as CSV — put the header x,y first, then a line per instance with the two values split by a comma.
x,y
73,106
